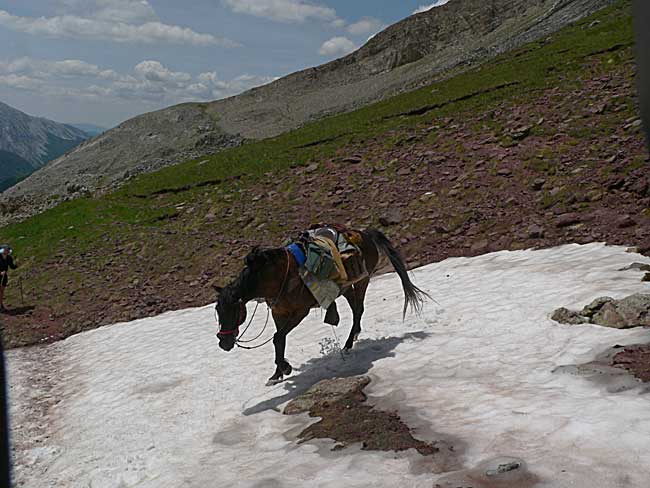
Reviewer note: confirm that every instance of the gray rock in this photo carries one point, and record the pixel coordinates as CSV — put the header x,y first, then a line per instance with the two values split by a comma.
x,y
632,311
628,312
500,472
392,217
637,266
625,221
480,246
538,183
568,219
326,391
566,316
595,306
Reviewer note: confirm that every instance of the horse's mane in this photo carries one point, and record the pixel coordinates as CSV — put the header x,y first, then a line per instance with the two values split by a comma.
x,y
246,283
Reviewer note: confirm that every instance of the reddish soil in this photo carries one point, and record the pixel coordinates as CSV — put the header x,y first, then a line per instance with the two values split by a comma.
x,y
636,359
349,420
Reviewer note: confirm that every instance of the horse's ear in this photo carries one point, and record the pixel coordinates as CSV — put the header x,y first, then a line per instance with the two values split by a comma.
x,y
253,257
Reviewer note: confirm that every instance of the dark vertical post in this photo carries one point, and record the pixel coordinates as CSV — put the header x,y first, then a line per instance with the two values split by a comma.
x,y
5,455
641,14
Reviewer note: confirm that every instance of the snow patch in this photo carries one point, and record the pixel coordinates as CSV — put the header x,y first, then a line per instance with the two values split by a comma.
x,y
156,403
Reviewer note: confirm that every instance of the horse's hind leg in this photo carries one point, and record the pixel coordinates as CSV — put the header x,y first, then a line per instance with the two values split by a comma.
x,y
355,295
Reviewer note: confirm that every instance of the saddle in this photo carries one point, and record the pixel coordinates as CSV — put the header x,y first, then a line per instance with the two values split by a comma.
x,y
331,261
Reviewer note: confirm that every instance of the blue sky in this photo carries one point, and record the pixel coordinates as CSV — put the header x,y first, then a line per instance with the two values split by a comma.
x,y
104,61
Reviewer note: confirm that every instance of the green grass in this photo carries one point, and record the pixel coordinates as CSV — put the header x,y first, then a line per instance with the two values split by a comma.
x,y
137,208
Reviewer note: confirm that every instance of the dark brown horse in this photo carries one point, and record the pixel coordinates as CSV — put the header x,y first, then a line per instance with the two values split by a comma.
x,y
272,275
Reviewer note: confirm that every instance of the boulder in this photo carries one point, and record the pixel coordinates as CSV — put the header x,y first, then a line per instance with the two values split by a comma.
x,y
391,217
595,306
632,311
628,312
326,391
566,316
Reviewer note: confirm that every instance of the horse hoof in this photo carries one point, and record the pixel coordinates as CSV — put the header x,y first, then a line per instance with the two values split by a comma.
x,y
274,381
287,369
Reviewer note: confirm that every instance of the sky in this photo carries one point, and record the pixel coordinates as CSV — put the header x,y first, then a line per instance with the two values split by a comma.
x,y
104,61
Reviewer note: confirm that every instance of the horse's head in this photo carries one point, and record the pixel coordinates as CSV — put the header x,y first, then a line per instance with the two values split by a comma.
x,y
260,266
231,312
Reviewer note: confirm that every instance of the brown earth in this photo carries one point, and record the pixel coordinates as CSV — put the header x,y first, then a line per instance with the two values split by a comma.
x,y
560,165
347,419
635,359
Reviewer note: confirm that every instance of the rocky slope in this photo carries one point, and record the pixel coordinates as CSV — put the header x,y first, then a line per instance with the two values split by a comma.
x,y
557,161
408,54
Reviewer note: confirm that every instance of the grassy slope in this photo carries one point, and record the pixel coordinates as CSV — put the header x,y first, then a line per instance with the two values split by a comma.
x,y
144,228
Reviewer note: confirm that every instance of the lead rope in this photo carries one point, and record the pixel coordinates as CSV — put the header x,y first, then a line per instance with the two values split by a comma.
x,y
249,323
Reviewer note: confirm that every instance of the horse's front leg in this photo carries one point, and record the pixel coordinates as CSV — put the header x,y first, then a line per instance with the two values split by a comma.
x,y
282,365
284,325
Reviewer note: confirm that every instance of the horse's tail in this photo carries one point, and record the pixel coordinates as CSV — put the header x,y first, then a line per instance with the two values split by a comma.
x,y
413,296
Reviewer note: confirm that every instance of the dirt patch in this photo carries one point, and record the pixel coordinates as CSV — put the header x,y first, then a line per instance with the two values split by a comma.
x,y
347,419
636,360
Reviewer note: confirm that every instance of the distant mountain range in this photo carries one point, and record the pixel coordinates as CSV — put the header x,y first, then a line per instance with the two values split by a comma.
x,y
90,129
28,143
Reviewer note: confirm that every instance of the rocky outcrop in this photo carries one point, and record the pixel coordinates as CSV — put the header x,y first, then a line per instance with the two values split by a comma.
x,y
632,311
327,391
409,54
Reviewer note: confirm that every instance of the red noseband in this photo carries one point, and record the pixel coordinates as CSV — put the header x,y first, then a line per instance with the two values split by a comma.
x,y
242,318
229,332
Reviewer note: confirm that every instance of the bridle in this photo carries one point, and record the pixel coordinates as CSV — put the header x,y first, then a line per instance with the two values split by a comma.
x,y
242,315
234,331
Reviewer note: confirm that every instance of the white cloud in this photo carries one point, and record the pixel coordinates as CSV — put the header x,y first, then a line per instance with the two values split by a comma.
x,y
47,69
367,25
148,82
220,88
111,26
337,46
289,11
127,11
425,8
155,72
20,82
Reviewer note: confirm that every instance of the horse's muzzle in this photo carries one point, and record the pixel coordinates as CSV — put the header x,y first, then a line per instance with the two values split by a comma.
x,y
226,343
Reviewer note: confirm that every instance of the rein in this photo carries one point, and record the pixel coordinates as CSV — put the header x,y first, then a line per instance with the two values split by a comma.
x,y
238,339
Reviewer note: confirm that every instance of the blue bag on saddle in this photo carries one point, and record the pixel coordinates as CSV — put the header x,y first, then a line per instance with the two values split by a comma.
x,y
296,250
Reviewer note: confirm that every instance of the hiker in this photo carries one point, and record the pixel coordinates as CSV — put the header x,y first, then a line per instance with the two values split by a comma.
x,y
6,262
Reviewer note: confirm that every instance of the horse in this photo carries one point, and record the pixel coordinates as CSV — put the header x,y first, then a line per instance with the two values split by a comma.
x,y
272,275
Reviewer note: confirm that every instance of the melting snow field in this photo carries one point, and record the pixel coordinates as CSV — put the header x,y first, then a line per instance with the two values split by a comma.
x,y
156,403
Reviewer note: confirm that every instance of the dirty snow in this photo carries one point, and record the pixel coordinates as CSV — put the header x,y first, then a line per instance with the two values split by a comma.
x,y
156,403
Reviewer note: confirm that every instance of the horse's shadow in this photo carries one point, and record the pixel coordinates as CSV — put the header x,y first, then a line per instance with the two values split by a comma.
x,y
359,361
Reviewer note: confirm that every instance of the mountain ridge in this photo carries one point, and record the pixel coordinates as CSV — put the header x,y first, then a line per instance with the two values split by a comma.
x,y
409,54
35,139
